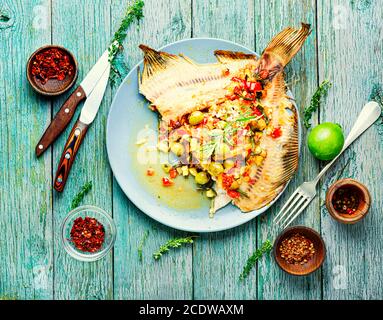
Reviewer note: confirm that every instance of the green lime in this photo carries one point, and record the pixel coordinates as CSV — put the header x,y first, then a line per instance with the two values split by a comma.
x,y
326,140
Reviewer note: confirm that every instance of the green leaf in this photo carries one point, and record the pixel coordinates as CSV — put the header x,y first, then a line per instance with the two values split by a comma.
x,y
320,93
172,243
252,260
119,68
81,194
141,244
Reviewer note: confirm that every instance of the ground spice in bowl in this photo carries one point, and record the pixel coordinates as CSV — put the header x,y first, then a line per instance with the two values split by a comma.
x,y
297,249
87,234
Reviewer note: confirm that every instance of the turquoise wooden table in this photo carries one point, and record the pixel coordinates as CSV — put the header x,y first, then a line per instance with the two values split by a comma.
x,y
346,47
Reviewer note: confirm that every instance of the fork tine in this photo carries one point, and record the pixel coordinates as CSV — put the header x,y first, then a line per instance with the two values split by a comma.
x,y
286,208
296,207
304,205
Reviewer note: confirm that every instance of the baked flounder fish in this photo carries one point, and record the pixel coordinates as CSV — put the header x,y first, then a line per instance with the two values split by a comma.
x,y
230,123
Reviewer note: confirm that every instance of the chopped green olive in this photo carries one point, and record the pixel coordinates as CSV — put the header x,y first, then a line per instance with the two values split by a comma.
x,y
202,178
210,193
193,171
166,167
215,168
177,148
196,117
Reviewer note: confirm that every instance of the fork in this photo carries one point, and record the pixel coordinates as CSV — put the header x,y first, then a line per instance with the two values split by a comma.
x,y
306,192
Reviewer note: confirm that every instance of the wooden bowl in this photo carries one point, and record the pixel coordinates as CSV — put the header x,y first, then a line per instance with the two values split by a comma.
x,y
364,201
311,265
52,87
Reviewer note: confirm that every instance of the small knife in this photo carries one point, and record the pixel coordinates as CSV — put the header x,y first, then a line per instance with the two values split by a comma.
x,y
66,112
79,130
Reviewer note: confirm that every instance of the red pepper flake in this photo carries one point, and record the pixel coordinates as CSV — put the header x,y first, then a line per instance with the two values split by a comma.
x,y
87,234
167,182
51,64
277,132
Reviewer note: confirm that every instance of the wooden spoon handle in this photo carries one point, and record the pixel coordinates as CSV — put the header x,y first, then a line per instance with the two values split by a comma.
x,y
69,154
60,121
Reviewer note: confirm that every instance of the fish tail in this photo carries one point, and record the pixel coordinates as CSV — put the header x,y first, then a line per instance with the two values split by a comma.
x,y
282,48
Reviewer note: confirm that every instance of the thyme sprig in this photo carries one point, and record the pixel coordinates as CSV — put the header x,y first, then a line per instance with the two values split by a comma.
x,y
141,244
119,68
377,96
172,243
252,260
81,194
320,93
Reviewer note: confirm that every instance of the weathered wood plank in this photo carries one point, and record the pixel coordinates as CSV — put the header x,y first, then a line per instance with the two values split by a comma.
x,y
301,75
219,257
351,56
171,277
87,35
26,248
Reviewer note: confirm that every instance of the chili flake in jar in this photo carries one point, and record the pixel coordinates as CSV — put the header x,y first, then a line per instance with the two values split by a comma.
x,y
52,63
297,249
346,200
87,234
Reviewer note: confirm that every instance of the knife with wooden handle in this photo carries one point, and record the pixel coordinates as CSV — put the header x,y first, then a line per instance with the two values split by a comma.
x,y
67,111
79,130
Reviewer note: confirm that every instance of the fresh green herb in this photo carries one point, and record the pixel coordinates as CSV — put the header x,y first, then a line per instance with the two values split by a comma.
x,y
142,243
119,68
172,243
315,101
377,96
82,193
252,260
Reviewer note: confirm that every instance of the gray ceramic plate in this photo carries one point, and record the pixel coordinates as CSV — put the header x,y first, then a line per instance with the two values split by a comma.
x,y
127,117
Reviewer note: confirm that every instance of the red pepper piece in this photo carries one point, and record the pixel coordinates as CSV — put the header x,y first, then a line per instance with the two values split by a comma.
x,y
173,173
233,194
166,182
277,132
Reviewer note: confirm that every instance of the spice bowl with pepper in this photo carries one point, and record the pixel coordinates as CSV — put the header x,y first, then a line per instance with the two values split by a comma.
x,y
52,70
348,201
299,250
88,233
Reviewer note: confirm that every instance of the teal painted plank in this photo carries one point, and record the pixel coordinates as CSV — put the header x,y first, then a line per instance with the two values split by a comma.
x,y
351,47
171,277
87,35
219,257
301,75
26,250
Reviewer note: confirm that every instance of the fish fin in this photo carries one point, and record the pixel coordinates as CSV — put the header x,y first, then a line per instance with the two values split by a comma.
x,y
282,48
224,56
276,90
156,61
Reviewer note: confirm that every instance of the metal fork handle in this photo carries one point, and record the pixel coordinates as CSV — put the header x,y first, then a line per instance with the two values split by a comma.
x,y
369,114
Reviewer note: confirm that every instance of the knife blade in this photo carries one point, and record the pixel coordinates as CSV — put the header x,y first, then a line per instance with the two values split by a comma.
x,y
79,130
66,112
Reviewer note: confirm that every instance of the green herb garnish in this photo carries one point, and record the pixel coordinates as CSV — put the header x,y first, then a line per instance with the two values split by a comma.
x,y
172,243
82,193
377,96
315,101
252,260
142,243
119,68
